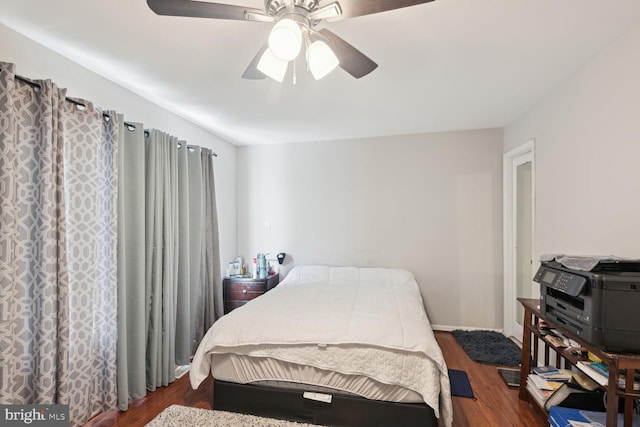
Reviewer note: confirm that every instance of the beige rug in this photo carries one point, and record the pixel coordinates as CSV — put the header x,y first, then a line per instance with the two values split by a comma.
x,y
183,416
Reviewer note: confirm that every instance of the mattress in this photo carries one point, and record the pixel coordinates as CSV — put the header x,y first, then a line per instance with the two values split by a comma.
x,y
356,322
277,373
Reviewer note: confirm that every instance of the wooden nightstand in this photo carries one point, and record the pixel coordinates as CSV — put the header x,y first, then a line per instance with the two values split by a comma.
x,y
238,291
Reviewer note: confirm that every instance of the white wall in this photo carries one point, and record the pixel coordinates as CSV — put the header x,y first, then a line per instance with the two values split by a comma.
x,y
587,135
430,203
34,61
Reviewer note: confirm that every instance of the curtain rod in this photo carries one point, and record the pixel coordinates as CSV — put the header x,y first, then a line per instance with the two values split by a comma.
x,y
37,86
130,126
192,147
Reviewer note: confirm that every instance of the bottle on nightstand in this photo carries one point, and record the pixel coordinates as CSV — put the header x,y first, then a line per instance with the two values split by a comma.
x,y
262,266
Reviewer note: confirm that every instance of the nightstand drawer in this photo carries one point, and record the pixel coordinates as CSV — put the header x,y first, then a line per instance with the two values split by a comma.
x,y
231,305
244,290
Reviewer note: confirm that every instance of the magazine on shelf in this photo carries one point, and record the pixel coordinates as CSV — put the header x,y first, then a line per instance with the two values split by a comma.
x,y
595,371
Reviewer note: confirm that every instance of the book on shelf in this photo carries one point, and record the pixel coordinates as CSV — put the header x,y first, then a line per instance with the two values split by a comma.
x,y
544,370
600,367
557,338
551,373
573,396
595,375
584,381
555,341
543,384
539,395
568,393
600,374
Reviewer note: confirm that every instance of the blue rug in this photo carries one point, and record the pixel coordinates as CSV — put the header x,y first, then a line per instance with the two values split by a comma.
x,y
460,385
489,347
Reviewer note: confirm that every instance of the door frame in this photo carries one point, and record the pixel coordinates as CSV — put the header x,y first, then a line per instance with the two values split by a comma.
x,y
511,160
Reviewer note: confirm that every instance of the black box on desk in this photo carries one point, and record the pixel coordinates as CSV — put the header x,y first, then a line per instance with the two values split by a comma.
x,y
599,306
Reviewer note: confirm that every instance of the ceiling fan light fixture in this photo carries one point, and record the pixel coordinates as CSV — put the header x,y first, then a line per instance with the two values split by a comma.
x,y
321,59
271,66
285,39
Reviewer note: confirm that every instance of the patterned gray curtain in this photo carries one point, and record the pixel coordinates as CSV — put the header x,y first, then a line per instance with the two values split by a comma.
x,y
58,220
34,329
109,259
91,190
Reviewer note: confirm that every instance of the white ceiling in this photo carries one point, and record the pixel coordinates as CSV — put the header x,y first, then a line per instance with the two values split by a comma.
x,y
446,65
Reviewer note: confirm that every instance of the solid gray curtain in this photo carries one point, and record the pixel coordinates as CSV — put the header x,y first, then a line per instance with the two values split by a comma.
x,y
191,255
58,264
169,274
196,247
213,303
198,295
132,382
161,256
183,296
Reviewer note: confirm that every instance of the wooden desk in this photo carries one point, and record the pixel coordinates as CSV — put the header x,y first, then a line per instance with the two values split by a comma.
x,y
531,339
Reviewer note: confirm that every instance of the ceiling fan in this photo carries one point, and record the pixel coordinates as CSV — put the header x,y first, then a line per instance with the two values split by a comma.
x,y
294,29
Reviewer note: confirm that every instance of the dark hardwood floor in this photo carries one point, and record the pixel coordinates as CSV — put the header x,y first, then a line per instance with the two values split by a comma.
x,y
495,405
143,410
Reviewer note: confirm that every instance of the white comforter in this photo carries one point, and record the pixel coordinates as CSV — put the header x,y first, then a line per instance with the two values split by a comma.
x,y
316,309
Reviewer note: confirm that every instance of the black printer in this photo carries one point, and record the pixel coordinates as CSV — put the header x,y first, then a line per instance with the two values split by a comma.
x,y
601,306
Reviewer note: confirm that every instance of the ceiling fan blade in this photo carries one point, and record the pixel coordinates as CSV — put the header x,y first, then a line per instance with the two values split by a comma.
x,y
258,17
200,9
351,59
330,10
353,8
252,72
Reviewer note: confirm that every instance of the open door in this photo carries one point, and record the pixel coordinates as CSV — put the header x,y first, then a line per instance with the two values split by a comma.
x,y
519,209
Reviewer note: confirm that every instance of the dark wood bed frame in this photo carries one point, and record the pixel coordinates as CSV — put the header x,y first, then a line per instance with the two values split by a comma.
x,y
343,410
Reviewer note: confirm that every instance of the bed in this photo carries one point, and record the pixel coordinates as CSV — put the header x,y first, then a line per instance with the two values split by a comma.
x,y
330,345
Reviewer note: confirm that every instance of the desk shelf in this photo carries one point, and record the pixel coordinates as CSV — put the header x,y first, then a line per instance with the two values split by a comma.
x,y
532,338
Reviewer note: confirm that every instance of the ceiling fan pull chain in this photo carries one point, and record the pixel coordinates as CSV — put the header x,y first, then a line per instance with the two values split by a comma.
x,y
307,42
294,72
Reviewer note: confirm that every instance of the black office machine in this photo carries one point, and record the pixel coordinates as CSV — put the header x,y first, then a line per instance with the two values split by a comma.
x,y
601,306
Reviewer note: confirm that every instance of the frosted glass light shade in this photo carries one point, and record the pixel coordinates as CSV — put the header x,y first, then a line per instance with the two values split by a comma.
x,y
272,67
285,39
321,59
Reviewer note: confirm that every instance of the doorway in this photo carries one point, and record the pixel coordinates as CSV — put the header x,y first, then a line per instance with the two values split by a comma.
x,y
519,214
